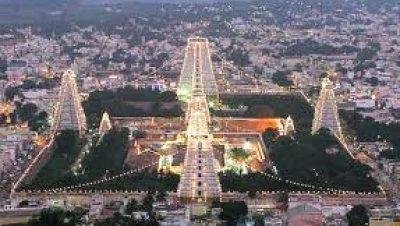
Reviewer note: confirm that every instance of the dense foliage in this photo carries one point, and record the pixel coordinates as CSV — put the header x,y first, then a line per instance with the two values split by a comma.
x,y
307,159
29,112
232,211
368,130
263,106
240,57
108,156
58,217
253,182
358,216
308,47
57,170
239,154
281,78
123,103
144,181
122,220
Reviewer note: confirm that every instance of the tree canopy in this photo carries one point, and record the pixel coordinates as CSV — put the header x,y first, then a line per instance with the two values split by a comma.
x,y
358,216
57,170
306,159
233,211
58,217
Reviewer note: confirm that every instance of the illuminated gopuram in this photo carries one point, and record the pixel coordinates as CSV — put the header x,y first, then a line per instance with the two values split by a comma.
x,y
326,113
105,124
68,112
199,179
197,47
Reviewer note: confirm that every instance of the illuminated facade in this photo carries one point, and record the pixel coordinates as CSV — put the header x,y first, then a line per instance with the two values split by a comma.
x,y
288,125
68,112
105,124
197,50
199,179
326,113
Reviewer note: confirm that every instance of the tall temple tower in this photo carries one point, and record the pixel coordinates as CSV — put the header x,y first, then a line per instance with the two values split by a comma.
x,y
288,125
68,112
105,124
326,112
197,49
199,179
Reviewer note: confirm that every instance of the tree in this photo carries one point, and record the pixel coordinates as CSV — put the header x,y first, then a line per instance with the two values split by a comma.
x,y
155,107
160,197
131,207
358,216
366,54
28,84
239,57
390,154
101,160
270,136
298,67
283,197
304,159
57,170
373,81
121,103
258,219
168,96
120,220
57,217
233,211
26,112
281,78
252,193
147,204
3,65
67,141
137,134
240,156
39,122
309,46
10,92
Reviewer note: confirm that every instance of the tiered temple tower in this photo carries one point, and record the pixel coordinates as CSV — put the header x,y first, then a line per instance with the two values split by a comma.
x,y
326,113
68,112
199,179
288,125
197,49
105,124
